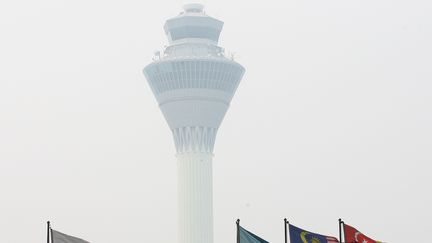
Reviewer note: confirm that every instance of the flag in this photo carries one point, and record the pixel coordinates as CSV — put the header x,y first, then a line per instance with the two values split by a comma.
x,y
58,237
298,235
352,235
248,237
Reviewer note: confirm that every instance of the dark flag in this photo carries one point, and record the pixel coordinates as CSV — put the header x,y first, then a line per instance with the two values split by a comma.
x,y
298,235
352,235
58,237
245,236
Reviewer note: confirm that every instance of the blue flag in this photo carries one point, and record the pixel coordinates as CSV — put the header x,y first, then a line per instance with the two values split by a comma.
x,y
248,237
298,235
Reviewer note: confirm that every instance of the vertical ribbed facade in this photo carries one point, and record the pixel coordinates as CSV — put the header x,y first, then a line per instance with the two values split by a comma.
x,y
194,82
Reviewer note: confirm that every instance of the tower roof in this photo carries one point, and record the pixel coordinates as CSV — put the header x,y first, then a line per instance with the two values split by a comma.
x,y
193,7
193,23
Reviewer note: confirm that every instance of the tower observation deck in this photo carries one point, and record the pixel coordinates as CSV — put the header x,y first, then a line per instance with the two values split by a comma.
x,y
194,82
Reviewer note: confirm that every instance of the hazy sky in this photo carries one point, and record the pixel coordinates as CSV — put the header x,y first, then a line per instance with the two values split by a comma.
x,y
332,119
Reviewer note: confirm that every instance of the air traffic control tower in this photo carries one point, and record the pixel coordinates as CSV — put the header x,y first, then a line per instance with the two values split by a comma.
x,y
194,82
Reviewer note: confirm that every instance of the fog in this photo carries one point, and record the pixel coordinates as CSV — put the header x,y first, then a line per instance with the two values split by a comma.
x,y
331,120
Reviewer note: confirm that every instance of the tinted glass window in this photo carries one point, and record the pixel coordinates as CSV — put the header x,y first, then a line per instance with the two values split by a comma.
x,y
194,32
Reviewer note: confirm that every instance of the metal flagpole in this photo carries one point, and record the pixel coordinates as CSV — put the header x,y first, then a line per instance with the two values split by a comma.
x,y
48,231
286,232
340,230
238,230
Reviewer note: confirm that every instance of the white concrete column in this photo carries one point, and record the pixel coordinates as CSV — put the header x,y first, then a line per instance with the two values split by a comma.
x,y
195,197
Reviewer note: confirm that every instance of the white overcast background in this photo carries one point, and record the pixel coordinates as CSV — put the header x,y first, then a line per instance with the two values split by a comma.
x,y
332,119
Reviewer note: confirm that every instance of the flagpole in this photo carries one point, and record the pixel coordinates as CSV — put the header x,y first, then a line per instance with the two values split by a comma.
x,y
286,232
238,230
340,230
48,231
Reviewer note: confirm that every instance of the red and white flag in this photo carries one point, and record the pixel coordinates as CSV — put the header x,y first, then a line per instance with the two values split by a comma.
x,y
352,235
332,240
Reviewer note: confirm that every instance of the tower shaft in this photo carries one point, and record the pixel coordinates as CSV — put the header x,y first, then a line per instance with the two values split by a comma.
x,y
195,198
